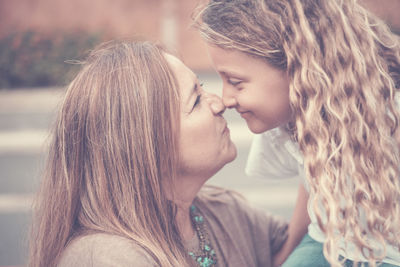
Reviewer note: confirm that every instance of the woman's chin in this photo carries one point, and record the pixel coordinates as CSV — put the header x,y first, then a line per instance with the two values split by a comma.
x,y
228,158
232,154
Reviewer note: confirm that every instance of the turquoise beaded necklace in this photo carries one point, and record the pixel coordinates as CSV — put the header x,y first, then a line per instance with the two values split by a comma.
x,y
207,256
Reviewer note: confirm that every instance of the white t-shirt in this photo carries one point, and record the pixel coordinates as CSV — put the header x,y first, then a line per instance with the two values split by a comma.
x,y
273,155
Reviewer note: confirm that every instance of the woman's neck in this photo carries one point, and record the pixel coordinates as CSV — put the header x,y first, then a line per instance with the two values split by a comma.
x,y
184,222
185,191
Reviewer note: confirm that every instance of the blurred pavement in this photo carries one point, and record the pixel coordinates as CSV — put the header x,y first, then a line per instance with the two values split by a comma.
x,y
25,117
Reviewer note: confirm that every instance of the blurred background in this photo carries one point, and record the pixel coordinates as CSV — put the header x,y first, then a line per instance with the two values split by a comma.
x,y
40,40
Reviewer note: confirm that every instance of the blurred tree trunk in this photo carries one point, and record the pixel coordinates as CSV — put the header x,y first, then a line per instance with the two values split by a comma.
x,y
169,25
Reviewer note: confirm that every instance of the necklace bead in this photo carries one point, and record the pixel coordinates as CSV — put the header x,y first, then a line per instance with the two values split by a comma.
x,y
206,256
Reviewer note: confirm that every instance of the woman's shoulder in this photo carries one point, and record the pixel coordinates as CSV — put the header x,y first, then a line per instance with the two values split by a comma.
x,y
211,195
230,210
222,201
102,249
223,204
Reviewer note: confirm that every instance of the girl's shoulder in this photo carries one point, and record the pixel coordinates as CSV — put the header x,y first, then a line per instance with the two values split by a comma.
x,y
274,155
102,249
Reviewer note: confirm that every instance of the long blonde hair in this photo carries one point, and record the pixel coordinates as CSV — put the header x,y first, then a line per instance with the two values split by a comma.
x,y
343,64
113,146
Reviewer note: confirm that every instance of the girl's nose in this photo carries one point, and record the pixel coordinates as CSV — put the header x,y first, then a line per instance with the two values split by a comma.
x,y
228,98
216,104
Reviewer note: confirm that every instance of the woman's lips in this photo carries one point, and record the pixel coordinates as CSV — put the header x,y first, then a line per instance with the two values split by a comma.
x,y
225,129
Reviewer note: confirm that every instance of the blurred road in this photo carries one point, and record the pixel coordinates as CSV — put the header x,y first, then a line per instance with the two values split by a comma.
x,y
25,117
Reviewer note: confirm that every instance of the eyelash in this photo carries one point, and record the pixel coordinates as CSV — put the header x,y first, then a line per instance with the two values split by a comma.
x,y
198,98
233,83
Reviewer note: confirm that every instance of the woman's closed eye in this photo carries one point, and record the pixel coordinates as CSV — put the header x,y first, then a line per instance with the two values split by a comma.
x,y
198,98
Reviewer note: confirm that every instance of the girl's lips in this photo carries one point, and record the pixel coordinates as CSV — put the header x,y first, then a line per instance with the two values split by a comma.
x,y
241,111
244,114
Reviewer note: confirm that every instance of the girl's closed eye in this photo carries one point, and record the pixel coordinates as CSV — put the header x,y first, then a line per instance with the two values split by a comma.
x,y
234,81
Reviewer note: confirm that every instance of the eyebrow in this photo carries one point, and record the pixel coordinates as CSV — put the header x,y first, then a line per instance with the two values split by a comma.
x,y
232,74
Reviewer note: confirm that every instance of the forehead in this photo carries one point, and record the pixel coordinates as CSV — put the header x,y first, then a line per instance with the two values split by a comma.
x,y
227,57
232,59
184,76
237,63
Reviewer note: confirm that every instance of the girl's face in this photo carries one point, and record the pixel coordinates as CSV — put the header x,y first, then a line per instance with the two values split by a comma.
x,y
258,91
205,145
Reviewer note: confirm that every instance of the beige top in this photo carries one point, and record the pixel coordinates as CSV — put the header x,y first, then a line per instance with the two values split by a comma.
x,y
241,236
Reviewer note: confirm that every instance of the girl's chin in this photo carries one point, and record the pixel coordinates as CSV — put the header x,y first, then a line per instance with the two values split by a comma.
x,y
258,127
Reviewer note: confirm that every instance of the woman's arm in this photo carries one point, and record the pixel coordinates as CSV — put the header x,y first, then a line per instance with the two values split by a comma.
x,y
297,227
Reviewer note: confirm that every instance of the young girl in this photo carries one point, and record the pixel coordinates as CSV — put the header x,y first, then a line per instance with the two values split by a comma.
x,y
320,76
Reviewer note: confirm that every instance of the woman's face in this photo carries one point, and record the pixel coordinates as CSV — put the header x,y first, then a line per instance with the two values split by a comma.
x,y
205,145
258,91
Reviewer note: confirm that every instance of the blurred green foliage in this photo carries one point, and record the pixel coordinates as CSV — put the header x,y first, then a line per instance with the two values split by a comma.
x,y
30,59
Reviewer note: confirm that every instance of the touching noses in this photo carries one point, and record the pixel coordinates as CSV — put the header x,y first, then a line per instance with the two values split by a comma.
x,y
216,104
228,97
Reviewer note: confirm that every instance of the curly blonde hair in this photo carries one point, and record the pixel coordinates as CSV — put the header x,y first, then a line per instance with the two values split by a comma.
x,y
343,64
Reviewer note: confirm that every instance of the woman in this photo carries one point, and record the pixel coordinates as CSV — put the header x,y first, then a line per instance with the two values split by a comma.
x,y
318,80
135,140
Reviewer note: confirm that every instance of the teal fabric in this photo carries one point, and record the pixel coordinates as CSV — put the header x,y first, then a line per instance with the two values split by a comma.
x,y
309,253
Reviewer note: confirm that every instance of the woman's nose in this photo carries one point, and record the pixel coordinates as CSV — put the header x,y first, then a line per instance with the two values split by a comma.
x,y
228,98
216,104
